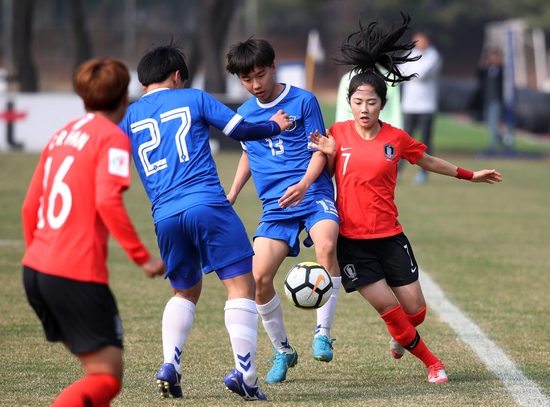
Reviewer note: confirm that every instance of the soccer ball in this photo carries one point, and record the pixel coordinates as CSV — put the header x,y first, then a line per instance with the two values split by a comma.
x,y
308,285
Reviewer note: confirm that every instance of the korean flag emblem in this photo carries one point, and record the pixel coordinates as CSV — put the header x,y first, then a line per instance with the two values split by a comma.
x,y
389,151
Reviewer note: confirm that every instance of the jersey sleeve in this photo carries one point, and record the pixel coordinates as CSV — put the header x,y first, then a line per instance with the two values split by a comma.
x,y
31,204
412,149
313,118
113,178
219,115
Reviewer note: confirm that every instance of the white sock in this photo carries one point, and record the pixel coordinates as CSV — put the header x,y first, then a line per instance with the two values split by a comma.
x,y
177,321
272,319
325,314
241,321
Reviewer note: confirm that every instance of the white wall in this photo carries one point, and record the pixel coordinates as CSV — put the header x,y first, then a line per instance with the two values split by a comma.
x,y
45,113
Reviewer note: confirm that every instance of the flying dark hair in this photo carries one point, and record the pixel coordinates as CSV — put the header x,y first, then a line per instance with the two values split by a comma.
x,y
375,56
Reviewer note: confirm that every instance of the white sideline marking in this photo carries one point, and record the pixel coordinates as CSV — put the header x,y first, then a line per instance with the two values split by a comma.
x,y
524,390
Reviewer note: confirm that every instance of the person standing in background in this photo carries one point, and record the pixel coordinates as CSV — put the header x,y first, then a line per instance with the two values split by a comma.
x,y
490,82
419,96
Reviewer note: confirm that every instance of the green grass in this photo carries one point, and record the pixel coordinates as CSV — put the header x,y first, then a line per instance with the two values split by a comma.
x,y
485,245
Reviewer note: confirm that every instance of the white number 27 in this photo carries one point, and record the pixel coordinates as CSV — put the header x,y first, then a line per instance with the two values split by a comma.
x,y
152,126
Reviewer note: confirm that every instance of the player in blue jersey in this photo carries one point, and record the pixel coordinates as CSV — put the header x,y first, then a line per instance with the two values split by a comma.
x,y
196,226
296,193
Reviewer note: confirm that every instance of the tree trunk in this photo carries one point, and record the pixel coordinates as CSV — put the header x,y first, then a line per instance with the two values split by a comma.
x,y
22,44
214,19
83,41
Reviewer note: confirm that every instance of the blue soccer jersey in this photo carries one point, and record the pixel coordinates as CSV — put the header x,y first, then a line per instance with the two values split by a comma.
x,y
279,162
169,132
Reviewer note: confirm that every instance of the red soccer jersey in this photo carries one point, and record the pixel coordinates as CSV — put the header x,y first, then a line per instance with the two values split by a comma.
x,y
366,174
75,200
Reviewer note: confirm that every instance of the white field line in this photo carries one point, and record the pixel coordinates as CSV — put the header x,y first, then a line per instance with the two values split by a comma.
x,y
523,390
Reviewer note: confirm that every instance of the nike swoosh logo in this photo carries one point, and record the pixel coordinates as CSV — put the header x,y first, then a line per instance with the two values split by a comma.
x,y
319,280
413,269
345,148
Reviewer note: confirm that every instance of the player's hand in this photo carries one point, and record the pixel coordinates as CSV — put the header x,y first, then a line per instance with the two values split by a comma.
x,y
282,119
488,176
326,145
293,196
232,198
153,267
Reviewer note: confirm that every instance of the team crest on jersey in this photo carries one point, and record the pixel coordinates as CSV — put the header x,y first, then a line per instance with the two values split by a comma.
x,y
349,270
389,151
293,125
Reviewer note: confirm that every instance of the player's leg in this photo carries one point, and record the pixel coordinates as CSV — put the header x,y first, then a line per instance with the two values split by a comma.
x,y
224,247
241,321
185,275
324,235
425,122
381,298
401,273
269,254
407,290
101,382
85,317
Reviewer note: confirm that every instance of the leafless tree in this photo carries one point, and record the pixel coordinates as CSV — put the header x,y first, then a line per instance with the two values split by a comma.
x,y
23,36
22,39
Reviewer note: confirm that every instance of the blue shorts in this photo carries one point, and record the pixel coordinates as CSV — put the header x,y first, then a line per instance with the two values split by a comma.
x,y
290,227
205,238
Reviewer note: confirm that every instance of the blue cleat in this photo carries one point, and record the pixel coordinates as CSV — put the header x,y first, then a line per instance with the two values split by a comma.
x,y
168,382
282,362
234,382
322,348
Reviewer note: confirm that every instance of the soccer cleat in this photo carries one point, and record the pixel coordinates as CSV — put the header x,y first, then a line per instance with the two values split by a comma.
x,y
322,348
234,382
282,361
436,373
168,382
397,351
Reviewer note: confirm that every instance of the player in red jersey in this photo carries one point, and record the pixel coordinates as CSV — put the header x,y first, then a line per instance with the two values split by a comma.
x,y
73,203
375,257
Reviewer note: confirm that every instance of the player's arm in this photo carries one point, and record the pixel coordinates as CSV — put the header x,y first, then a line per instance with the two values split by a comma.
x,y
242,175
295,193
440,166
31,204
111,209
246,131
327,145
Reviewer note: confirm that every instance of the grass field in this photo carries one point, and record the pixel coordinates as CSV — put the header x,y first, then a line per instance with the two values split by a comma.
x,y
485,246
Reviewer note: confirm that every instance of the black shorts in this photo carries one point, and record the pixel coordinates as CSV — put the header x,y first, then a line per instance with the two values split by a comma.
x,y
366,261
84,315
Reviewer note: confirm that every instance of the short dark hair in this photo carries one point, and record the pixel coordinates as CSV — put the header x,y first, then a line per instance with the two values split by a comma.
x,y
243,57
159,63
101,83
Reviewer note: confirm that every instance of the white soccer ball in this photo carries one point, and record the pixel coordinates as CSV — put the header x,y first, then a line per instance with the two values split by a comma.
x,y
308,285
